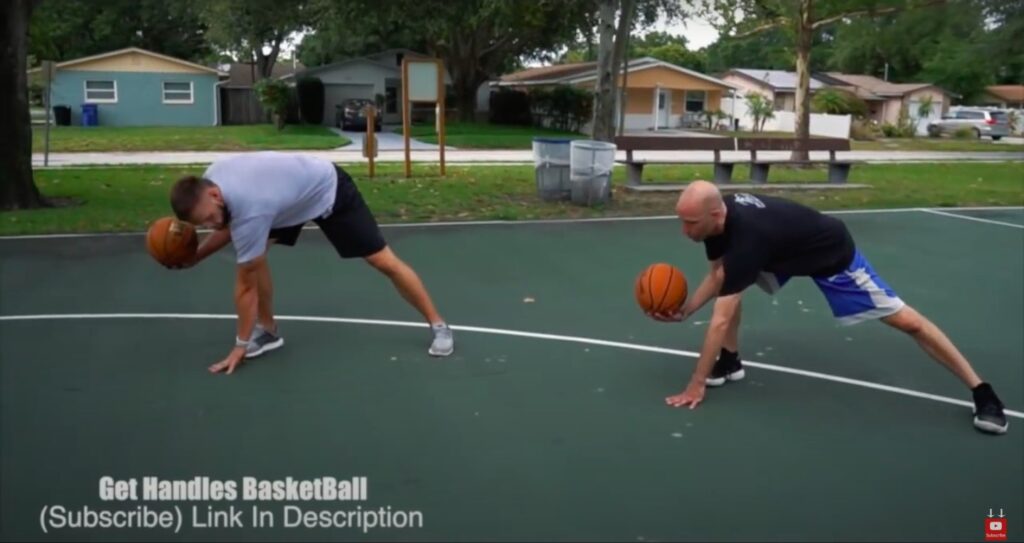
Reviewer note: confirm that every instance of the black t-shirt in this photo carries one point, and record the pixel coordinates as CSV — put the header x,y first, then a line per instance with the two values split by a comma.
x,y
766,233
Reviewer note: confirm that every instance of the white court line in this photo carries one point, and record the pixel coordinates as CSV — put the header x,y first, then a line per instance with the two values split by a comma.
x,y
967,218
527,221
516,333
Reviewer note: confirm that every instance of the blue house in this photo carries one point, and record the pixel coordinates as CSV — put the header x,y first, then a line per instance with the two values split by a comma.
x,y
135,87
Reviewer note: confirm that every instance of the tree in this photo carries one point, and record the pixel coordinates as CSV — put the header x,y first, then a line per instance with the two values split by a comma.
x,y
68,29
476,39
616,20
17,187
255,30
949,45
803,17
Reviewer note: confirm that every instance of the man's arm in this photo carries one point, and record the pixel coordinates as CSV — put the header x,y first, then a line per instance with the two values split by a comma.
x,y
708,288
725,308
246,299
211,244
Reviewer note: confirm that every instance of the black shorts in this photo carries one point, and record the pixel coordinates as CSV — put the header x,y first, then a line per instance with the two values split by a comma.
x,y
350,226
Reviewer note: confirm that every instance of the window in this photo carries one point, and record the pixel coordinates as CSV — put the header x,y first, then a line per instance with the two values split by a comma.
x,y
695,100
176,92
101,92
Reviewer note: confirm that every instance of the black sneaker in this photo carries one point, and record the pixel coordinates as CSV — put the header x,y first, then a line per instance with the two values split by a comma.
x,y
727,368
988,410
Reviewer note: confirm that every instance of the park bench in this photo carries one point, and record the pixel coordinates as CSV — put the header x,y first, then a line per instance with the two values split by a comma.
x,y
635,167
838,170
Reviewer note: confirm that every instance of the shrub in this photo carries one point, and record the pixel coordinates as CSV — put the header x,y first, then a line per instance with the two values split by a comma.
x,y
274,96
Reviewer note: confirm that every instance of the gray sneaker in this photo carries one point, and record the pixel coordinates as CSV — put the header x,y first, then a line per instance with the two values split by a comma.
x,y
262,341
443,343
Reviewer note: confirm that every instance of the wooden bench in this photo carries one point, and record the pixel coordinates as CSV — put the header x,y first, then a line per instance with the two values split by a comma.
x,y
838,170
635,168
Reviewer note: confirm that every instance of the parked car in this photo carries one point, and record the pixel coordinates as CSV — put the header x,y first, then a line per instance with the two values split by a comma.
x,y
351,115
984,122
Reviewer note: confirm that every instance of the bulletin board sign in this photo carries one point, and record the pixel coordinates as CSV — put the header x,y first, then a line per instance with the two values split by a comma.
x,y
422,83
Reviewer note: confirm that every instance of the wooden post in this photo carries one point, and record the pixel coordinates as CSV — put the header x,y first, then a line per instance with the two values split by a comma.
x,y
441,110
371,135
406,113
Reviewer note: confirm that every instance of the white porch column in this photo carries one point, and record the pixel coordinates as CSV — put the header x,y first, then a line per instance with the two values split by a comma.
x,y
654,108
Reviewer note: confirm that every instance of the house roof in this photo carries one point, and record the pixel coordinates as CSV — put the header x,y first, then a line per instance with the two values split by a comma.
x,y
240,74
1009,93
325,67
368,59
776,79
879,87
127,50
584,71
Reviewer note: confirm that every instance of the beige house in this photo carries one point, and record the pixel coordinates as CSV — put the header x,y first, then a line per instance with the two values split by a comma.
x,y
778,86
658,94
1004,96
886,100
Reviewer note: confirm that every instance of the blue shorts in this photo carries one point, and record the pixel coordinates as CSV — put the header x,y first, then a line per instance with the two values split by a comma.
x,y
855,295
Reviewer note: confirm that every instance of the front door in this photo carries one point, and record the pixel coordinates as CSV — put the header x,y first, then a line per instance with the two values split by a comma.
x,y
663,108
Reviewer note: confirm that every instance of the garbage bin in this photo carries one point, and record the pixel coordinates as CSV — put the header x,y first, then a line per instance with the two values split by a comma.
x,y
591,172
62,115
90,115
551,168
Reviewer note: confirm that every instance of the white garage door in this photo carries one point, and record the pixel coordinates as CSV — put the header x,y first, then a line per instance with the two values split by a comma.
x,y
335,94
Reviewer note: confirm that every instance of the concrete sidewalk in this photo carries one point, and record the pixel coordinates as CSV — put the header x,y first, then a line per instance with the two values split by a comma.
x,y
525,156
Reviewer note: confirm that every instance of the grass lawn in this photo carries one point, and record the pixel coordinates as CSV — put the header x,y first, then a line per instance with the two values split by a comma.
x,y
185,138
487,136
127,199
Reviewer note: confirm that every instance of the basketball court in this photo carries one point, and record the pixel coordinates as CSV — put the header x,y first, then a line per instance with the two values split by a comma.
x,y
549,421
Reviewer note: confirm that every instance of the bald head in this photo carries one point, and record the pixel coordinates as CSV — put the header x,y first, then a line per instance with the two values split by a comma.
x,y
699,197
701,209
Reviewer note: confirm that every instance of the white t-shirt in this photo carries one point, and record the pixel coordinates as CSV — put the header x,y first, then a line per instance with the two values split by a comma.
x,y
268,190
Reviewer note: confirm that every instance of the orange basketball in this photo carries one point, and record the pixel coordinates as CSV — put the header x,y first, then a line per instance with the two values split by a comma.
x,y
661,288
171,241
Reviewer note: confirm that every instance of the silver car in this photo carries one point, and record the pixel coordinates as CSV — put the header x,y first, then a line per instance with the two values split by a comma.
x,y
983,122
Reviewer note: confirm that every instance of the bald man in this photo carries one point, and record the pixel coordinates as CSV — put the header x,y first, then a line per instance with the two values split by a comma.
x,y
766,240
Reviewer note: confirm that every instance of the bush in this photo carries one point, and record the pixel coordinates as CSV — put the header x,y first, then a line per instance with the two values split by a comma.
x,y
274,96
838,102
864,130
965,133
562,107
510,107
311,99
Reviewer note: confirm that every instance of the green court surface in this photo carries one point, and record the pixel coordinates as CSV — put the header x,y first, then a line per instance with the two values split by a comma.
x,y
548,422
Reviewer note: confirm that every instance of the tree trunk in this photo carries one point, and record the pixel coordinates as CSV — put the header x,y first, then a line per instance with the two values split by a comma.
x,y
803,68
621,39
623,97
17,187
466,79
604,96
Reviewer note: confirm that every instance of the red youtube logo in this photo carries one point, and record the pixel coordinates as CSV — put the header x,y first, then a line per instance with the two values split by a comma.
x,y
995,528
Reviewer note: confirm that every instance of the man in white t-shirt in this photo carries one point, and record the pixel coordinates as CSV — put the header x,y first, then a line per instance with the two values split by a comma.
x,y
255,199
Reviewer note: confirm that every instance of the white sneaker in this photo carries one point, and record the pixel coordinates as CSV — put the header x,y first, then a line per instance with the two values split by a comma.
x,y
444,343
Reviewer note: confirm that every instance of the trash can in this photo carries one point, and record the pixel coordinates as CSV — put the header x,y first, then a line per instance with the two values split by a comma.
x,y
551,168
591,172
90,115
62,115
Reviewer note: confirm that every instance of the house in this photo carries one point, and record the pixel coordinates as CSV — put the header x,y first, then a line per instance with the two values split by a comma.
x,y
886,100
658,94
778,86
373,77
136,87
238,101
1003,96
